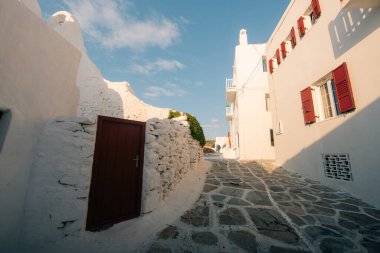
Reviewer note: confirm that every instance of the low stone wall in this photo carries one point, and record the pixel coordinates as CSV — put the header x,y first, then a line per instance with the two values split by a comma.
x,y
170,152
56,203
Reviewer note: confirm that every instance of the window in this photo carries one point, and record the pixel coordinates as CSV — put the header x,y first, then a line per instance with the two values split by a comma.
x,y
271,66
316,8
330,96
5,118
326,100
264,61
271,137
283,49
293,37
267,102
301,26
278,58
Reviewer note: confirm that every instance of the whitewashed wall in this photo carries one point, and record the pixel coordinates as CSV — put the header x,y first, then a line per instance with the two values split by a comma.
x,y
37,70
251,123
170,152
340,35
57,199
99,96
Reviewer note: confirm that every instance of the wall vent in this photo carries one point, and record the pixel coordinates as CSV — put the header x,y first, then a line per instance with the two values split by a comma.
x,y
337,166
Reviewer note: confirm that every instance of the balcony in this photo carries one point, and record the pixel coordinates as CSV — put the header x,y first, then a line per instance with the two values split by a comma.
x,y
230,90
229,112
360,3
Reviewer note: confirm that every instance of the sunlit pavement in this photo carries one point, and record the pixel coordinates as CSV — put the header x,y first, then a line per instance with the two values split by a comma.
x,y
249,207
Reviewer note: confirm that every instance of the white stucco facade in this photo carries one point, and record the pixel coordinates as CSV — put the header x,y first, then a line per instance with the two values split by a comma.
x,y
38,69
247,95
339,35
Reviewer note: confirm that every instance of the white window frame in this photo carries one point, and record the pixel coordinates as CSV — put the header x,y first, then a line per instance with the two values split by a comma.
x,y
317,98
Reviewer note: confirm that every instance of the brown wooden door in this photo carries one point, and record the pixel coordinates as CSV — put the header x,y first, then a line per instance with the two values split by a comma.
x,y
116,181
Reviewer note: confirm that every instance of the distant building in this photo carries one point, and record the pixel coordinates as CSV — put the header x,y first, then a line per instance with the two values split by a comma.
x,y
248,110
222,143
323,63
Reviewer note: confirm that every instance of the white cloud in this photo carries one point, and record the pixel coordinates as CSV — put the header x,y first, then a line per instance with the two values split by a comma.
x,y
213,124
170,90
159,64
111,23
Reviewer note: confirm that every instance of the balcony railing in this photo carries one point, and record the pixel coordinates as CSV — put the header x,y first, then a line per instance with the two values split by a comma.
x,y
229,111
230,84
230,90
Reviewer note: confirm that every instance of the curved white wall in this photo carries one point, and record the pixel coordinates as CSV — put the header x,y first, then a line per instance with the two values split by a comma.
x,y
38,70
97,95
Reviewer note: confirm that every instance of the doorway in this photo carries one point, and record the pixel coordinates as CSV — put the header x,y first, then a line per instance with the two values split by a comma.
x,y
116,181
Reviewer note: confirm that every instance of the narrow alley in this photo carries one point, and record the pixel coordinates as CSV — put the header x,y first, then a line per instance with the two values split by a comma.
x,y
254,207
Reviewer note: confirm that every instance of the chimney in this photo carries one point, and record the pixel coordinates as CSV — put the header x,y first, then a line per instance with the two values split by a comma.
x,y
243,37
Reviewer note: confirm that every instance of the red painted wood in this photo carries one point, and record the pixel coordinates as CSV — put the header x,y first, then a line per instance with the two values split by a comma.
x,y
283,49
270,63
293,37
116,183
278,58
343,89
301,26
316,8
307,106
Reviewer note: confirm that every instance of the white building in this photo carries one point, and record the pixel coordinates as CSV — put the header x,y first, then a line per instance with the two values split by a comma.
x,y
248,110
222,142
325,93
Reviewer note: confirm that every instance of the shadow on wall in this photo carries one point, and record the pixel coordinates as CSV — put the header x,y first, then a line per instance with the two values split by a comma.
x,y
351,26
359,137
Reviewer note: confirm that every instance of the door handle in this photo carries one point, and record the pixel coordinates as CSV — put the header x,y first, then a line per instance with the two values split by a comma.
x,y
137,161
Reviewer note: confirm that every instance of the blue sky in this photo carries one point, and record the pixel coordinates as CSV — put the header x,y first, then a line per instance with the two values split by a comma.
x,y
174,53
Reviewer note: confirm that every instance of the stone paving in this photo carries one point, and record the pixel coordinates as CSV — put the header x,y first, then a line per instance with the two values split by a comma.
x,y
244,208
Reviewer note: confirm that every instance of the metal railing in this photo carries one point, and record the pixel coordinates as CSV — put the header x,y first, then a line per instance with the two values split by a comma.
x,y
230,84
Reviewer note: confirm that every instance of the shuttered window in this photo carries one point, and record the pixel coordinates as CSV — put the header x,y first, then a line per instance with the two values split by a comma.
x,y
293,37
283,49
343,89
301,26
278,56
270,63
316,8
307,106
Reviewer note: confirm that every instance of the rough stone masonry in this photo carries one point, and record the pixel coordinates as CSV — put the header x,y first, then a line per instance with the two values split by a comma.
x,y
56,205
170,152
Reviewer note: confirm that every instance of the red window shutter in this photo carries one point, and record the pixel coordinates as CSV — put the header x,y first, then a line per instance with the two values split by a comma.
x,y
301,26
316,8
293,37
270,66
343,89
278,56
283,49
307,106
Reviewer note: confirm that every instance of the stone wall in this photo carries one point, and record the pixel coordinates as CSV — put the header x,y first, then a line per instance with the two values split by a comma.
x,y
57,199
56,202
170,152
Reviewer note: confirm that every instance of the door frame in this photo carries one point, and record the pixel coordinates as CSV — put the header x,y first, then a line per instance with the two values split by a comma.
x,y
90,224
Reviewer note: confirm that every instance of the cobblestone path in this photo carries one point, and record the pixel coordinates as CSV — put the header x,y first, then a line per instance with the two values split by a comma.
x,y
243,208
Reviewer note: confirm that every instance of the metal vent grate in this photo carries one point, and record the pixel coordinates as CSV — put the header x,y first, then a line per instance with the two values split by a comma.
x,y
337,166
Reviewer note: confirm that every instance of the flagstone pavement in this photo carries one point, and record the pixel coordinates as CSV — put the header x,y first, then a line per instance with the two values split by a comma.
x,y
245,208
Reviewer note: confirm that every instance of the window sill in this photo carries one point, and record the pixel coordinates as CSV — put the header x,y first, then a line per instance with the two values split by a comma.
x,y
332,118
